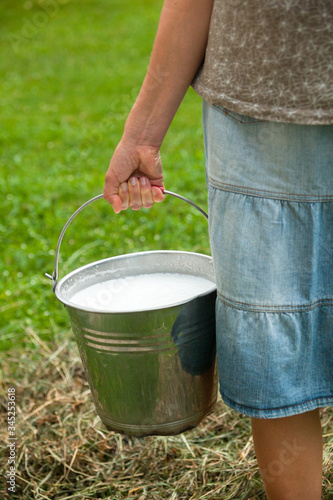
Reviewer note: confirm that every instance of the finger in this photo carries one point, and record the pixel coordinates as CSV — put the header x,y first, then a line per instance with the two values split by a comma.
x,y
146,193
110,193
115,201
134,193
124,195
158,194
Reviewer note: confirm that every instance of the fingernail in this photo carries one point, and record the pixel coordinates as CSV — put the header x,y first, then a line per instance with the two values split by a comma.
x,y
157,192
133,181
124,187
143,181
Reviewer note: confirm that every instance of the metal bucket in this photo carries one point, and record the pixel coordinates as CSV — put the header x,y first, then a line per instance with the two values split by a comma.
x,y
153,371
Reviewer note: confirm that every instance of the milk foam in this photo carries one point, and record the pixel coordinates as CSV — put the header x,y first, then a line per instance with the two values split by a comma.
x,y
142,292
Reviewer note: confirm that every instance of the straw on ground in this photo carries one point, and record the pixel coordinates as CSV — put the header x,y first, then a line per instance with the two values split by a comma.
x,y
65,452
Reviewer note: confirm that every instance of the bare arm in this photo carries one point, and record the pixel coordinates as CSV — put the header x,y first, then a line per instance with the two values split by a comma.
x,y
177,53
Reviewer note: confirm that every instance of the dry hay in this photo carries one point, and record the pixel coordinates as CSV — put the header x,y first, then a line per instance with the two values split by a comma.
x,y
65,452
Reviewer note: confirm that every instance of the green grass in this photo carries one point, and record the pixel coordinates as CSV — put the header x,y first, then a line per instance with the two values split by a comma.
x,y
65,95
70,71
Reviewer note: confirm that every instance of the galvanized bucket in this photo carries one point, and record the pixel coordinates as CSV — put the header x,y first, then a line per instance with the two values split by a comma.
x,y
152,371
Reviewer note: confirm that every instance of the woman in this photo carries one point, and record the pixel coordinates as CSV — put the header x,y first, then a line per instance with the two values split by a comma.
x,y
265,72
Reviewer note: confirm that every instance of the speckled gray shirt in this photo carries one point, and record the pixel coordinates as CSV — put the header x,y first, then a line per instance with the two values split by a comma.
x,y
271,59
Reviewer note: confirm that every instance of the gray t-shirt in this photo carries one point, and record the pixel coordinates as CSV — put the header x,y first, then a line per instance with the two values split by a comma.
x,y
271,59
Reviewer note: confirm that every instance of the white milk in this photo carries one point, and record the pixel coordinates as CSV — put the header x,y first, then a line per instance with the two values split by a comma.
x,y
142,292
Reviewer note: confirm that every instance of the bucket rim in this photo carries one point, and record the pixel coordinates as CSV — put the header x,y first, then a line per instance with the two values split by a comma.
x,y
68,303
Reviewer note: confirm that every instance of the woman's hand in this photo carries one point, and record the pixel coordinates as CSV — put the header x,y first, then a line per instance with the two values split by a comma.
x,y
134,178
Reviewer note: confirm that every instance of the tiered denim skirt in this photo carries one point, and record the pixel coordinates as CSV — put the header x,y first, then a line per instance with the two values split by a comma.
x,y
270,194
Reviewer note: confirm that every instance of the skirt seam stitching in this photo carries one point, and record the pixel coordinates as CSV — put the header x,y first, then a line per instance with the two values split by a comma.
x,y
273,309
286,407
259,193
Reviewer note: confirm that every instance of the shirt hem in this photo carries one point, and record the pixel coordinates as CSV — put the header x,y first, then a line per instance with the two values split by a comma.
x,y
265,112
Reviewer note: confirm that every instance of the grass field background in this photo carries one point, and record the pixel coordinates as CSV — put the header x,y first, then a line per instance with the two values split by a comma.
x,y
70,71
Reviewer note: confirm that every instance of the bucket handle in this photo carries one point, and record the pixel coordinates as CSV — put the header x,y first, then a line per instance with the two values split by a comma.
x,y
54,276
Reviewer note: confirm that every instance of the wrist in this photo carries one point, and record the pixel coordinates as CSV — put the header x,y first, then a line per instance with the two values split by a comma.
x,y
148,122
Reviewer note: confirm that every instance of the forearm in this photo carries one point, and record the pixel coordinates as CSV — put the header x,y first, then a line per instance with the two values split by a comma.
x,y
178,51
134,177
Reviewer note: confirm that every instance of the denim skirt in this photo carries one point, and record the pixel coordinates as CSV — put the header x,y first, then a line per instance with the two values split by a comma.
x,y
270,198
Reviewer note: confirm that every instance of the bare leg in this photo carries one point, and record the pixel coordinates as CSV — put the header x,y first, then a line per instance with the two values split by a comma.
x,y
289,454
